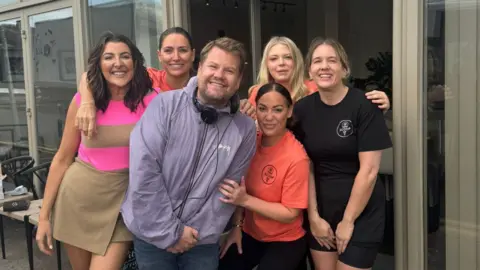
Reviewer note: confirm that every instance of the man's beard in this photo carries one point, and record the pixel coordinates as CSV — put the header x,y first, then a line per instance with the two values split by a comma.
x,y
217,102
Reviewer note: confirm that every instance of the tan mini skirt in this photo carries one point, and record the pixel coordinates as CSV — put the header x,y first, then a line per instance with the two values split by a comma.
x,y
86,213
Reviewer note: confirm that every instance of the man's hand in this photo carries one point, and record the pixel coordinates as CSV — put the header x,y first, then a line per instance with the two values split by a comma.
x,y
247,108
189,239
85,119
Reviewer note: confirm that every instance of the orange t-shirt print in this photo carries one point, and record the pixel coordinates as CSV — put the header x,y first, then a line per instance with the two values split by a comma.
x,y
278,174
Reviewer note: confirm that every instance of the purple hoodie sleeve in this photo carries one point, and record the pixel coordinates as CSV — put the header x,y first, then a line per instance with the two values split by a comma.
x,y
147,209
241,161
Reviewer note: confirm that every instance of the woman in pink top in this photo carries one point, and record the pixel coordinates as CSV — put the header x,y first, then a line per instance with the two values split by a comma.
x,y
83,195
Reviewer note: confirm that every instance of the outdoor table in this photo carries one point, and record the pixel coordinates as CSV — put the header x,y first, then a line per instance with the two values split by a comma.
x,y
22,216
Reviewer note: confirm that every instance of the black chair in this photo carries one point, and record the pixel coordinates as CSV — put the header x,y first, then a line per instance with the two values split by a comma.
x,y
15,166
12,168
41,172
26,177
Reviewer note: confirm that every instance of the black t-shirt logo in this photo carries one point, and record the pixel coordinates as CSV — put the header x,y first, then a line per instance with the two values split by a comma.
x,y
345,128
269,173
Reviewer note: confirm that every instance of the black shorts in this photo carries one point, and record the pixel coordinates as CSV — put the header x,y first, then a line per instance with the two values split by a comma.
x,y
359,255
369,226
265,255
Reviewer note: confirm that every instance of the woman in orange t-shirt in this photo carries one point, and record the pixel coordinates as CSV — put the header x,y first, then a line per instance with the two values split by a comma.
x,y
282,62
268,228
176,55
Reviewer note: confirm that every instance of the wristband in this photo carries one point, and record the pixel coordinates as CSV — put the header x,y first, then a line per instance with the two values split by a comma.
x,y
239,224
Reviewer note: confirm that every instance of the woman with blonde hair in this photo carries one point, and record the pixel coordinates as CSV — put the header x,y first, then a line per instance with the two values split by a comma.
x,y
282,62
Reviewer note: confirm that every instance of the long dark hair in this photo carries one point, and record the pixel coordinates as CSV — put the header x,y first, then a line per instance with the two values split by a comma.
x,y
276,87
175,30
185,34
139,86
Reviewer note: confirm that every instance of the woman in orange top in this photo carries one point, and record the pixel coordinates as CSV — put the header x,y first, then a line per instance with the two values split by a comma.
x,y
271,199
176,55
282,62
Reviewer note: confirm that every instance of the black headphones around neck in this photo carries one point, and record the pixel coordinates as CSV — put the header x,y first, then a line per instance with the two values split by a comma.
x,y
209,115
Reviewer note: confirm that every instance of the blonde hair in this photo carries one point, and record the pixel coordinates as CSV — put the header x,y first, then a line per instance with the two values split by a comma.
x,y
339,50
297,84
229,45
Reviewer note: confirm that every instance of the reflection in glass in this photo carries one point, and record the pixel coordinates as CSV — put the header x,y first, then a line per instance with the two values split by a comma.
x,y
451,133
54,75
140,20
285,20
13,122
6,2
212,21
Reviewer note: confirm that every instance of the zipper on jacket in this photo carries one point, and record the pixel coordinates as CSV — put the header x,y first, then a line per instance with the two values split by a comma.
x,y
191,184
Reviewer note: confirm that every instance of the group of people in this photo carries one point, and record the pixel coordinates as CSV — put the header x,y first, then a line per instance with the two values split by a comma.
x,y
165,160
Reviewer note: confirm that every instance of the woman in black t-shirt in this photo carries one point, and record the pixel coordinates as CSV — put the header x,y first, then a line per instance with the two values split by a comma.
x,y
343,134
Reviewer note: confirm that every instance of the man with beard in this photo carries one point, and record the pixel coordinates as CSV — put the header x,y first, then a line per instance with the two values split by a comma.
x,y
185,145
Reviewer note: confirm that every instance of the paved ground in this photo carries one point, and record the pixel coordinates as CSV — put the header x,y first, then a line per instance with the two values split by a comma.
x,y
16,252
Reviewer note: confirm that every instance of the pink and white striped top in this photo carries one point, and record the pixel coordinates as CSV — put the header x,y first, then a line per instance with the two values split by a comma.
x,y
108,150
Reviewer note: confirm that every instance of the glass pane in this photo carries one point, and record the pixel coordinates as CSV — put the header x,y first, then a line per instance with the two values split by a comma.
x,y
452,121
140,20
54,75
13,121
6,2
213,19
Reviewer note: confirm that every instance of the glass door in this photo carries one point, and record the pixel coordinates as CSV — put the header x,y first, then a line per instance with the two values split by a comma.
x,y
13,94
212,19
50,37
452,120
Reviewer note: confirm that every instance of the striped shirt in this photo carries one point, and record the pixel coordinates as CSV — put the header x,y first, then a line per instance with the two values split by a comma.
x,y
108,149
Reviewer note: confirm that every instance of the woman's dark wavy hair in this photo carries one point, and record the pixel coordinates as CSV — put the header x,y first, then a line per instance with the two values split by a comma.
x,y
276,87
139,86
